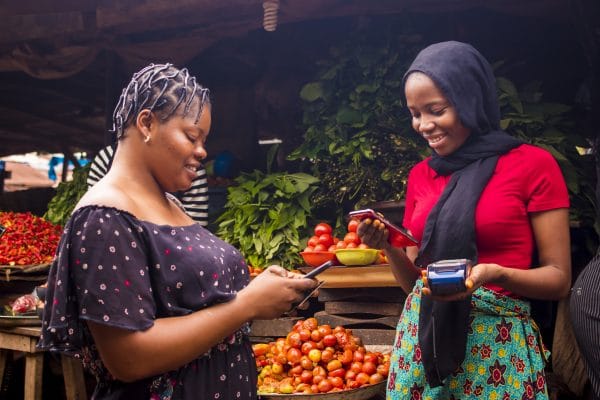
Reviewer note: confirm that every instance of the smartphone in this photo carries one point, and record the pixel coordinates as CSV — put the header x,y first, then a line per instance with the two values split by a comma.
x,y
316,271
448,276
398,237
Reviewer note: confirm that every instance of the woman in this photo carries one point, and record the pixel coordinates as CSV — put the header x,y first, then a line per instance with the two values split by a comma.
x,y
154,304
483,196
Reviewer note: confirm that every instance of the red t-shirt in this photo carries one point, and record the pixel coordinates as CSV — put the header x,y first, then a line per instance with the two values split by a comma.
x,y
526,179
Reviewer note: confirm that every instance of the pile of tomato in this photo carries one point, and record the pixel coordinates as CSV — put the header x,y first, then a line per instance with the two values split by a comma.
x,y
316,358
324,240
27,239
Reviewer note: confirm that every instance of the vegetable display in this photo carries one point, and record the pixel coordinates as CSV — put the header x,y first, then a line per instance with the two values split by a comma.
x,y
67,195
28,239
315,358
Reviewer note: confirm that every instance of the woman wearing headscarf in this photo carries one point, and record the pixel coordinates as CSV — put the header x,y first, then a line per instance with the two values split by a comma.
x,y
484,196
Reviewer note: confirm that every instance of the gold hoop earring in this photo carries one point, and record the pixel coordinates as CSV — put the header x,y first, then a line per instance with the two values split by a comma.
x,y
146,139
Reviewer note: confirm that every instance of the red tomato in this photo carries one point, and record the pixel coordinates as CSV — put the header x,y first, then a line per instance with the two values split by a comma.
x,y
325,385
323,227
369,368
376,378
324,329
294,356
352,237
320,247
329,340
353,225
336,381
326,240
340,245
313,241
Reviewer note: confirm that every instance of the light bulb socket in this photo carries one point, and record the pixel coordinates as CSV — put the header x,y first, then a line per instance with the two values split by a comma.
x,y
271,8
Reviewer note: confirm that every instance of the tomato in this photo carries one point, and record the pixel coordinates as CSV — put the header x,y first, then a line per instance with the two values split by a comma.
x,y
320,247
369,368
346,357
319,371
296,370
315,335
362,378
260,349
336,381
340,245
304,334
326,355
314,355
313,241
306,377
352,237
293,339
334,364
351,245
329,340
306,363
325,385
324,329
293,355
372,357
352,384
277,368
322,228
326,240
332,248
383,369
358,356
308,346
310,323
356,366
353,225
376,378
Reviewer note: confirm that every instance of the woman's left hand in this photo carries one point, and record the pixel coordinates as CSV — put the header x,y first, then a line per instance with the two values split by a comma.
x,y
478,275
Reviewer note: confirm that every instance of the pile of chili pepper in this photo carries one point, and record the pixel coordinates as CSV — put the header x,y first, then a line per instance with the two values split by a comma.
x,y
28,239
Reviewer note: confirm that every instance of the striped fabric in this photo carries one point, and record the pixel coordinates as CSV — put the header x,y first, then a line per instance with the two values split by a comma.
x,y
194,200
100,165
585,317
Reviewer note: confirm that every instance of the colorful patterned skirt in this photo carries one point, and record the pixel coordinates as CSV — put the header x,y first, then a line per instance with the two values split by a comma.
x,y
505,356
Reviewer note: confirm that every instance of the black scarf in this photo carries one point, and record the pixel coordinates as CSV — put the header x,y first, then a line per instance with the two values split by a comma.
x,y
467,81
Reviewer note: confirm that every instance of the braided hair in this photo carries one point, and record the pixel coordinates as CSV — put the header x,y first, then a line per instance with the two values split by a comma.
x,y
162,89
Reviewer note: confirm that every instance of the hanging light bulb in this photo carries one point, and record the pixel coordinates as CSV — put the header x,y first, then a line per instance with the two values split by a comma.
x,y
271,8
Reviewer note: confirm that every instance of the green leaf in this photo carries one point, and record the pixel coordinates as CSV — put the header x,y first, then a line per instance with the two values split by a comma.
x,y
311,92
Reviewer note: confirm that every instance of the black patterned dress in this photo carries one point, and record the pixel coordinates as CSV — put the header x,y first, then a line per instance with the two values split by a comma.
x,y
114,269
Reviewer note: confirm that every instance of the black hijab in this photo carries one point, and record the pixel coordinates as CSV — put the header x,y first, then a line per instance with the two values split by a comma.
x,y
467,81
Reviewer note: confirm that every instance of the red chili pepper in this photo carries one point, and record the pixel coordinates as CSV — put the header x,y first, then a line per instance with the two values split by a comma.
x,y
28,239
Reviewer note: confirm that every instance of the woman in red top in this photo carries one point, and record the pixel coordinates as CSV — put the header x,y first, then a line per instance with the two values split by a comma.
x,y
487,197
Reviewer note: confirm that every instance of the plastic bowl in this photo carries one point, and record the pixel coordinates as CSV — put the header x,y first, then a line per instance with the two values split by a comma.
x,y
316,258
357,256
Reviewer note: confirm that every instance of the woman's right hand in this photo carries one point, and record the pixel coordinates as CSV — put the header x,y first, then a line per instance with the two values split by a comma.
x,y
274,291
373,233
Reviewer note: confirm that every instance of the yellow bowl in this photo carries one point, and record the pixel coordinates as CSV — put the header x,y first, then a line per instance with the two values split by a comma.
x,y
357,256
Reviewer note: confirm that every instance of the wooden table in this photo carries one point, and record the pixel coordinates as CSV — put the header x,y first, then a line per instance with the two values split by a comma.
x,y
24,339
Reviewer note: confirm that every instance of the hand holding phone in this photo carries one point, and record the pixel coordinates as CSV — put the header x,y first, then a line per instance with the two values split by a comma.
x,y
398,237
314,272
